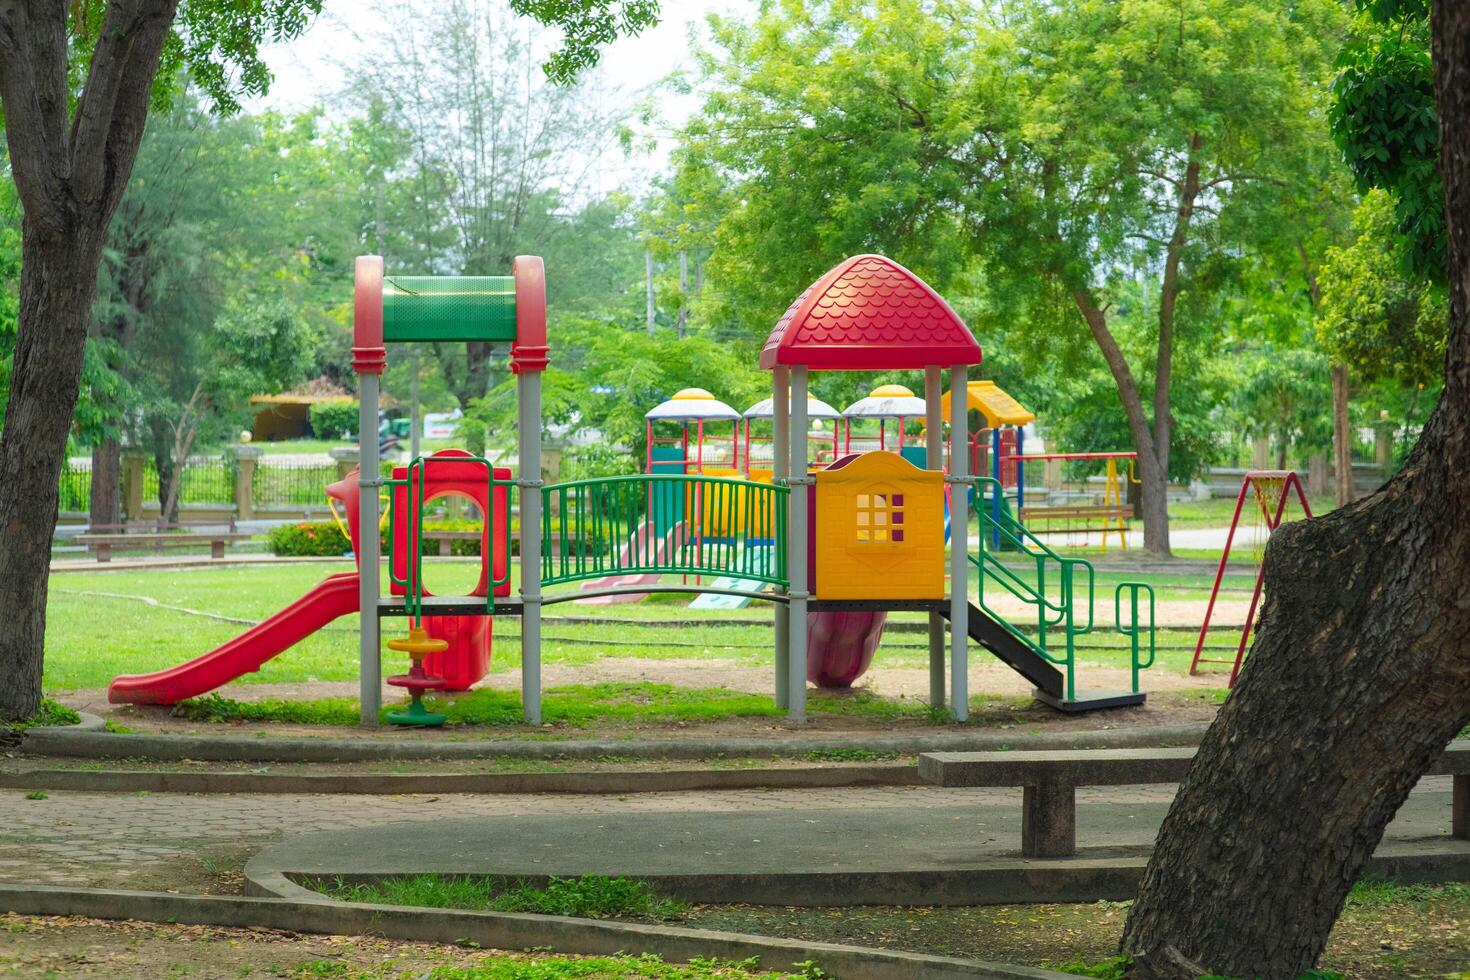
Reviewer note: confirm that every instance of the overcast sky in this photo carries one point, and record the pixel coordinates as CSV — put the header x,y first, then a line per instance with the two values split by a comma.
x,y
311,69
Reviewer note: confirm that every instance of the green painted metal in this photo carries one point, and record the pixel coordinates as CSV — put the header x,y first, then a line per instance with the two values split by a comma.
x,y
441,309
417,715
601,527
413,581
1055,608
1134,630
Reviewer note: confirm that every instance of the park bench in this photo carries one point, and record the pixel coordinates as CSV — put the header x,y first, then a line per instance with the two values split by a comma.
x,y
102,538
446,539
1093,518
1049,782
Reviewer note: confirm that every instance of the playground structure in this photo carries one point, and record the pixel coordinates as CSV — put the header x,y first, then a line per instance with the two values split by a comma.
x,y
1272,490
835,547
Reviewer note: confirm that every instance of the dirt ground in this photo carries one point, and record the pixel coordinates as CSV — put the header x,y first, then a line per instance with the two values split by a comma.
x,y
1174,699
75,947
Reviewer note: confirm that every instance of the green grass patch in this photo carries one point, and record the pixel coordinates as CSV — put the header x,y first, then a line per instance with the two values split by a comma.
x,y
850,755
587,897
1117,968
219,709
49,713
581,705
36,794
1373,893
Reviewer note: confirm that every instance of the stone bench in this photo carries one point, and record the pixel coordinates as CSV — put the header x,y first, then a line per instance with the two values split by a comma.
x,y
446,539
1049,782
104,543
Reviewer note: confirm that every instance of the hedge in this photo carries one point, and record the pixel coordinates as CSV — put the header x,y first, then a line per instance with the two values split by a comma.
x,y
324,539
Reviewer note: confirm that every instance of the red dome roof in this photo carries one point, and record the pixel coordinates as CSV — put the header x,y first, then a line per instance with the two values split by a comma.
x,y
870,314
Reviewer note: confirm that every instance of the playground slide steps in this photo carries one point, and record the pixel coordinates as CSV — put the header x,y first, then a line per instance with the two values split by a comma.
x,y
1049,681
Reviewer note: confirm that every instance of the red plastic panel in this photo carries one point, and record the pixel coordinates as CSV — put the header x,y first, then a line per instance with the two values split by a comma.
x,y
468,657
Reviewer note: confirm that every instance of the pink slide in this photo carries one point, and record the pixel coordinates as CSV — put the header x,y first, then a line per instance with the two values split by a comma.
x,y
333,597
840,646
638,544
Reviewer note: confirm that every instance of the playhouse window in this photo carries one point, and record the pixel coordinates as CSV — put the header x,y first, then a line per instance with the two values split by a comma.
x,y
880,518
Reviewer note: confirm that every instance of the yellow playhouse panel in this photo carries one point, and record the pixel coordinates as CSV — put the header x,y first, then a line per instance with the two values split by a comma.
x,y
880,530
998,407
724,510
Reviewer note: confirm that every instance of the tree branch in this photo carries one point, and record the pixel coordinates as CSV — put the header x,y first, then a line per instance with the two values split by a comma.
x,y
33,91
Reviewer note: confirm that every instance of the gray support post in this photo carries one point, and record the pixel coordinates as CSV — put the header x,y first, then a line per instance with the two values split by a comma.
x,y
796,544
370,667
934,460
529,453
959,543
415,410
781,467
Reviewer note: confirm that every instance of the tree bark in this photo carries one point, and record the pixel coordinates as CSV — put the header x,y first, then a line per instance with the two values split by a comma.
x,y
1342,438
105,500
70,166
1358,678
1153,477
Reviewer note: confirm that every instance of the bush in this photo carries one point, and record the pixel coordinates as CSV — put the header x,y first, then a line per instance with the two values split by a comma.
x,y
331,420
324,539
48,714
308,539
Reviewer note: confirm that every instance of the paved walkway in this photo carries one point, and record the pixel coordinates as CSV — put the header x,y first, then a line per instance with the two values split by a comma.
x,y
191,842
132,840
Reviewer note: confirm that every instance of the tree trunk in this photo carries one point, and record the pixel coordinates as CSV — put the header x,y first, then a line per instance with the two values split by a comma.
x,y
1358,678
1317,475
105,505
1342,437
1153,478
57,282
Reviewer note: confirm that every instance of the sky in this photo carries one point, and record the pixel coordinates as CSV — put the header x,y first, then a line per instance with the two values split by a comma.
x,y
312,69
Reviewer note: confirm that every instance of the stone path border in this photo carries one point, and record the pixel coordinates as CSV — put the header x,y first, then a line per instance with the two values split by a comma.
x,y
389,784
501,930
70,742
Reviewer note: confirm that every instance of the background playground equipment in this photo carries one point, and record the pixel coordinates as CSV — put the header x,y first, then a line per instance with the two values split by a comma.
x,y
886,403
1109,517
704,454
759,461
868,313
1272,491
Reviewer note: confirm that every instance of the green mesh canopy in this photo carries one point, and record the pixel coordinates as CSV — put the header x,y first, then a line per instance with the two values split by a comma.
x,y
449,308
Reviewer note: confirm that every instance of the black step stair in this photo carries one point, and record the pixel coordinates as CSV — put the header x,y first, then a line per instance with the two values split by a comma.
x,y
1049,680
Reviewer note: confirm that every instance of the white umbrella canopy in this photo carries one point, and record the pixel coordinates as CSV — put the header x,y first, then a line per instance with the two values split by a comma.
x,y
887,402
690,405
815,409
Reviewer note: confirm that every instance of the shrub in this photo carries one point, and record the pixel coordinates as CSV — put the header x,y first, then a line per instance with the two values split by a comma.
x,y
50,713
331,420
324,539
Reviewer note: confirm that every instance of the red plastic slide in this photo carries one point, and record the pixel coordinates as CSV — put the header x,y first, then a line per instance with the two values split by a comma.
x,y
333,597
840,646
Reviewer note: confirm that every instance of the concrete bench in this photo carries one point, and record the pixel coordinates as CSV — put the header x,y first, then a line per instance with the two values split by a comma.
x,y
446,539
104,543
1049,782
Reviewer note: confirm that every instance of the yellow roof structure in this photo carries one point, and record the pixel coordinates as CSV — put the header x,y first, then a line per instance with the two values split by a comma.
x,y
989,400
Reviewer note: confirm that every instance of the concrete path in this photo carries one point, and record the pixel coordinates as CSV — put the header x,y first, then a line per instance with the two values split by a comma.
x,y
196,843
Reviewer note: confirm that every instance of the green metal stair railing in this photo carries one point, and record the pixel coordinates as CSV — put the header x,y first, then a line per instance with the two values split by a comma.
x,y
1058,621
665,524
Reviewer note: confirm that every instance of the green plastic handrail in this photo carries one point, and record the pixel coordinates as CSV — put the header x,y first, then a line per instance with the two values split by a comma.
x,y
606,514
1132,631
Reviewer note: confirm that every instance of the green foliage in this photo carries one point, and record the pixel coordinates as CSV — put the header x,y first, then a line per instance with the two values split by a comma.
x,y
318,539
49,713
1374,893
587,897
850,755
585,26
36,795
1382,322
1384,120
331,420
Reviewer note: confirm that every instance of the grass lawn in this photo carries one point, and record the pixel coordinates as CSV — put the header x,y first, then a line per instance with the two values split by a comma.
x,y
102,624
1217,511
1386,931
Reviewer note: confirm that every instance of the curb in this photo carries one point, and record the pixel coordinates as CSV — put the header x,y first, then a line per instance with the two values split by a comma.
x,y
592,783
88,723
233,748
501,930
